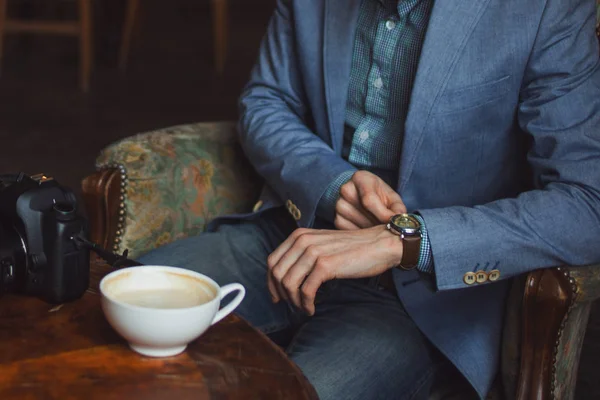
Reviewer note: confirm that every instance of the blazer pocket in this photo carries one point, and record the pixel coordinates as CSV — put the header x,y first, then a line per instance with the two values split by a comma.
x,y
469,97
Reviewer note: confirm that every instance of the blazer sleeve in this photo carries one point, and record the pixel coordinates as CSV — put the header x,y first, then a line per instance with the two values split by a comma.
x,y
294,161
559,221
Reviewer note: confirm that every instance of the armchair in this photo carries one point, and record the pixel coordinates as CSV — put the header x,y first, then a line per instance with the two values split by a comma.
x,y
156,187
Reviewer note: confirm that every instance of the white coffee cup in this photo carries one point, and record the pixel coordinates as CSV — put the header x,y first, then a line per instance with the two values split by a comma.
x,y
160,310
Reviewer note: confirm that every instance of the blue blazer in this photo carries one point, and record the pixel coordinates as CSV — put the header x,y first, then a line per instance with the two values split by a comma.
x,y
501,150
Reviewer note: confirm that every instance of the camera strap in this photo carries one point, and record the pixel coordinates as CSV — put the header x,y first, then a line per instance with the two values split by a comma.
x,y
113,259
11,178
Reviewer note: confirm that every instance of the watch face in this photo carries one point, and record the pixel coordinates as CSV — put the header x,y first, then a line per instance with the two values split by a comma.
x,y
405,223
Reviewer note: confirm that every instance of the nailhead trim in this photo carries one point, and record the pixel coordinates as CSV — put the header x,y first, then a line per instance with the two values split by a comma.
x,y
574,290
116,247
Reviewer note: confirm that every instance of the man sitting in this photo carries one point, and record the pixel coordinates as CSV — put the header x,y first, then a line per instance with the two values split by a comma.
x,y
417,155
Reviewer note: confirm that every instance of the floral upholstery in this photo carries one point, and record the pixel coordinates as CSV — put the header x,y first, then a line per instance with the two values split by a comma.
x,y
568,350
588,283
177,180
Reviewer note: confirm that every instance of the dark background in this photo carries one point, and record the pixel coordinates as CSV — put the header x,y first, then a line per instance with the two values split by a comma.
x,y
47,125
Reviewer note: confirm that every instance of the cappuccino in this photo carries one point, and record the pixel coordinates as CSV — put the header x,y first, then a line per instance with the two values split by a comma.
x,y
164,298
159,309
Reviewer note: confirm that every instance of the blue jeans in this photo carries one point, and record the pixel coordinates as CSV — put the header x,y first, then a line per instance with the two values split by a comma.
x,y
360,344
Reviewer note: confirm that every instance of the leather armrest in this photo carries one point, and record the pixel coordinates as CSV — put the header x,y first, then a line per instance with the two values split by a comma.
x,y
555,311
103,201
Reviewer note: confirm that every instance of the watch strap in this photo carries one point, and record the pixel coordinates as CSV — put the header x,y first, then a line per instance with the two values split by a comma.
x,y
410,252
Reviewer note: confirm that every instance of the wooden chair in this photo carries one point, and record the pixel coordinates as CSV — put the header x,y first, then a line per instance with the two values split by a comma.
x,y
220,30
81,28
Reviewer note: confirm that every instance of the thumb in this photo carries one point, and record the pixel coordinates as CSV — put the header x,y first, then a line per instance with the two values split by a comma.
x,y
398,207
389,212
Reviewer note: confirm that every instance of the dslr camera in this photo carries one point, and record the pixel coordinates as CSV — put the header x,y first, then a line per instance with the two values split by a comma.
x,y
39,253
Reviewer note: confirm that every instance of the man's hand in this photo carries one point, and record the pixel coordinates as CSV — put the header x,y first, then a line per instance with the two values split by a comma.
x,y
309,257
365,201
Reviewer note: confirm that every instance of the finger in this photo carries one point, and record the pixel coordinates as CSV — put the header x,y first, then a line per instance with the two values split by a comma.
x,y
297,262
376,196
276,255
299,272
398,208
321,273
349,192
281,292
372,202
275,288
358,217
301,242
272,288
292,250
394,201
371,193
343,224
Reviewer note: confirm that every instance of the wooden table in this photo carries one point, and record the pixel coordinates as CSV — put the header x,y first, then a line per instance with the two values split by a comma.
x,y
71,352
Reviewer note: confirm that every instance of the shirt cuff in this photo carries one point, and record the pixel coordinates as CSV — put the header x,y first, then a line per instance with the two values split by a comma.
x,y
326,206
425,257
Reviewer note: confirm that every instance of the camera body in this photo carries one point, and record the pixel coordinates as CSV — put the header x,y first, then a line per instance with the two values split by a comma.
x,y
38,255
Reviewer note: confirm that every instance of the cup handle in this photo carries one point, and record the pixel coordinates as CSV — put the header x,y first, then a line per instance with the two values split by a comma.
x,y
225,311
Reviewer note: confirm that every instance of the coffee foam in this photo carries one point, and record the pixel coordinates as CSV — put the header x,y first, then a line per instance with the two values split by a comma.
x,y
159,289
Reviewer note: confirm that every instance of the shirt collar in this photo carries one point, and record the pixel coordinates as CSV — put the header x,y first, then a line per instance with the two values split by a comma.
x,y
399,7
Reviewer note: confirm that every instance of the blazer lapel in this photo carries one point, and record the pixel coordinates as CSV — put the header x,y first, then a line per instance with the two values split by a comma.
x,y
339,30
450,24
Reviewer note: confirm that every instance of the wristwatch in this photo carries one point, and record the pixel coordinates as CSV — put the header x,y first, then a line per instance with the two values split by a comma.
x,y
408,227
